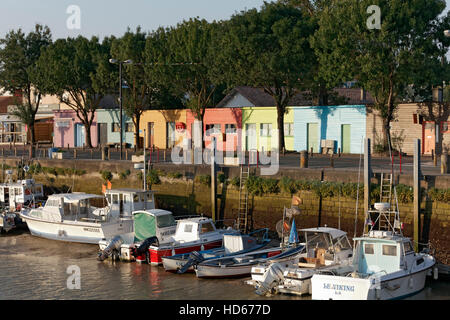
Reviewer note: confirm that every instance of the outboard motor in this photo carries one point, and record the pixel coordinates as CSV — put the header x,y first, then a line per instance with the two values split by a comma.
x,y
272,276
194,258
143,248
114,244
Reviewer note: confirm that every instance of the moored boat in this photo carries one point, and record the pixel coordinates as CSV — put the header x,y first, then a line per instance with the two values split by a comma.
x,y
241,265
385,265
233,244
325,248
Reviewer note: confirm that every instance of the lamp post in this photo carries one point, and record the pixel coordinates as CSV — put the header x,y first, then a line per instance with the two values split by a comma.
x,y
115,61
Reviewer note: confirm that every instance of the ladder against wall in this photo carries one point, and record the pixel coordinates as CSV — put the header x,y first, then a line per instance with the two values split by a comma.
x,y
242,219
388,194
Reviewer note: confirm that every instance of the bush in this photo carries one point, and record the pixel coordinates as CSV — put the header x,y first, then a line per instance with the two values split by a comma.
x,y
221,177
236,181
254,185
442,195
61,171
124,174
270,186
175,175
289,185
106,175
204,179
153,177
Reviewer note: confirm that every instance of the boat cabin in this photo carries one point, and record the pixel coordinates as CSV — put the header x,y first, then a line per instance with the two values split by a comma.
x,y
125,201
381,253
194,229
73,207
325,246
154,222
20,193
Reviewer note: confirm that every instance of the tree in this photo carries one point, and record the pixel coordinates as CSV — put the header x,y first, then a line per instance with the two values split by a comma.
x,y
384,61
77,70
18,56
181,56
268,49
144,91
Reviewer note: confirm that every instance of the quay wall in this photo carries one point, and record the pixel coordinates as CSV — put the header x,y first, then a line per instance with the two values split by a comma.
x,y
189,196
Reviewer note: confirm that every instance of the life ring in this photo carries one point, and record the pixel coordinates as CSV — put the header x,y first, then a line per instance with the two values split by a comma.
x,y
27,191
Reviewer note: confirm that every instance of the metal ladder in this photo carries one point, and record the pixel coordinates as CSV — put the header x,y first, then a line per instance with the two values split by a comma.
x,y
243,200
386,196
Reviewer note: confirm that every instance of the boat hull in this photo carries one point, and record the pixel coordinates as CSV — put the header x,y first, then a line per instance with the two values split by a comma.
x,y
325,287
157,253
77,231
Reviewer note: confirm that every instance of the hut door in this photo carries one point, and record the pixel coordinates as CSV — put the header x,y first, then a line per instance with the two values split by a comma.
x,y
80,133
250,131
313,137
102,134
151,134
429,137
346,137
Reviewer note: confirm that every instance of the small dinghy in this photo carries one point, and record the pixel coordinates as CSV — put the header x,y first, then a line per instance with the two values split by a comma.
x,y
241,265
233,244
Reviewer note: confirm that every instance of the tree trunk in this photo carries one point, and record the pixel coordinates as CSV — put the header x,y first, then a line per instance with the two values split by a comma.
x,y
87,128
32,133
137,141
387,143
280,123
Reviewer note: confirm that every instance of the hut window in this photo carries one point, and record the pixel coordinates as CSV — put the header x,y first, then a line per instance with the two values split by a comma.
x,y
230,128
289,129
444,127
115,127
129,127
266,129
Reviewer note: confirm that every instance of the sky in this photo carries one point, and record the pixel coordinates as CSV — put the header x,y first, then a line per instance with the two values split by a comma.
x,y
112,17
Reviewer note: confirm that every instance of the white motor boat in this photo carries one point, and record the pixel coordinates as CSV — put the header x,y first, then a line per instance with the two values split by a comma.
x,y
149,226
87,218
20,194
15,197
385,265
326,249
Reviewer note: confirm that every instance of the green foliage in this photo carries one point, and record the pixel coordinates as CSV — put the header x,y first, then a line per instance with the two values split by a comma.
x,y
204,179
270,186
288,185
405,194
124,174
442,195
175,175
221,177
106,175
236,182
254,185
152,177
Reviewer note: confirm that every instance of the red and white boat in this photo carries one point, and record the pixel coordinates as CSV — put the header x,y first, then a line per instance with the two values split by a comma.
x,y
192,234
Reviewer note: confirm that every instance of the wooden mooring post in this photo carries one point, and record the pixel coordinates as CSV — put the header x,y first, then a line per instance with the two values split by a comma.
x,y
416,206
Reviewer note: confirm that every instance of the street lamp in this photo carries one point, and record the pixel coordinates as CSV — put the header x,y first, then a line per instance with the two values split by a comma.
x,y
115,61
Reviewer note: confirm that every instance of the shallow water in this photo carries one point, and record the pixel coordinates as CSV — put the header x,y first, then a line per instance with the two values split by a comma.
x,y
34,268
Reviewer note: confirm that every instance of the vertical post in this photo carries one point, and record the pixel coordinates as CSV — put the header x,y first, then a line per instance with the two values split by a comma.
x,y
367,174
400,161
444,163
145,176
331,161
213,179
304,159
120,98
417,177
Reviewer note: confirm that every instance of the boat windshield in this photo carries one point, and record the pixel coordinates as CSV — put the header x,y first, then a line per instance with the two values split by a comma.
x,y
317,240
165,221
341,243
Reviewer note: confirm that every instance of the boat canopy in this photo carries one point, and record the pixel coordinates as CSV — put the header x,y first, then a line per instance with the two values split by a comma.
x,y
334,233
146,222
73,197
